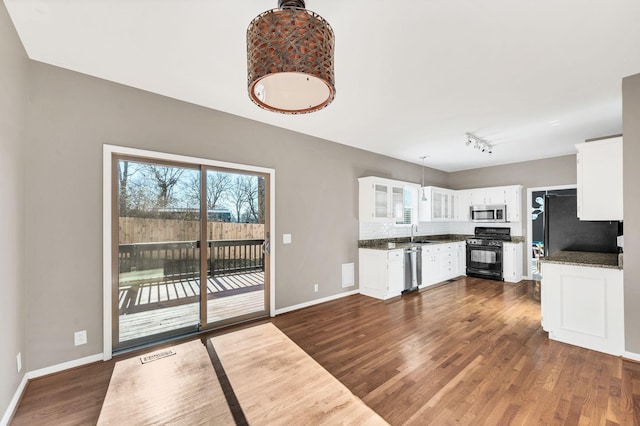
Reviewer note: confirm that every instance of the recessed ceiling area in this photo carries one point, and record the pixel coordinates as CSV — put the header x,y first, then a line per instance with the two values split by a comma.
x,y
412,77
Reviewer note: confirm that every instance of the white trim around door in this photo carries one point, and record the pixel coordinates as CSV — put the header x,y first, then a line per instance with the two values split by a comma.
x,y
107,153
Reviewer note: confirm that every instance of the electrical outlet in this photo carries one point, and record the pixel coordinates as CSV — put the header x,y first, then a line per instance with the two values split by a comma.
x,y
315,288
19,360
80,338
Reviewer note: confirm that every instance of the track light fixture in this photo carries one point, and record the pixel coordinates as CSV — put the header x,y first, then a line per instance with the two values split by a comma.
x,y
478,143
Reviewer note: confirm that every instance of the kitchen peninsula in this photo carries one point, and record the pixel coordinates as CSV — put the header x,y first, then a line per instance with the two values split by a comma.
x,y
583,300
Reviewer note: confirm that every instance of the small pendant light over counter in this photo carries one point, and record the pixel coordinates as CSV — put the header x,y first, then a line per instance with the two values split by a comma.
x,y
290,59
424,197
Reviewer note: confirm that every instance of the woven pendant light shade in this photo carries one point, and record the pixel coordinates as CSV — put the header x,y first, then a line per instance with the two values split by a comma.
x,y
290,59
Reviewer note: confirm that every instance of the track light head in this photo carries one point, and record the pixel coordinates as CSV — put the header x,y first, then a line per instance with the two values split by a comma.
x,y
479,144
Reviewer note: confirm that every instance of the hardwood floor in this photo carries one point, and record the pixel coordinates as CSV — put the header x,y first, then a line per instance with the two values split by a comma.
x,y
468,352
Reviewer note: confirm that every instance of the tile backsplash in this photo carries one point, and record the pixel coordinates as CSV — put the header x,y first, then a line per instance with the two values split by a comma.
x,y
373,230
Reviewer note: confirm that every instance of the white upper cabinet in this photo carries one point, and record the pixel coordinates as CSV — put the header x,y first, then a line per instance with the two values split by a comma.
x,y
387,200
599,165
438,204
404,203
487,196
464,203
510,195
513,201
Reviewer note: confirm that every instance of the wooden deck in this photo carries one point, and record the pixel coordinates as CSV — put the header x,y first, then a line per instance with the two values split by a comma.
x,y
156,308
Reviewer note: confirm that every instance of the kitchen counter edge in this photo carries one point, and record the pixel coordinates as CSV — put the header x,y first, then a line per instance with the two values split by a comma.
x,y
581,258
429,240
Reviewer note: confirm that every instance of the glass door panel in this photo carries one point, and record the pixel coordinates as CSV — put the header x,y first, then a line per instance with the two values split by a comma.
x,y
157,266
397,202
381,207
236,263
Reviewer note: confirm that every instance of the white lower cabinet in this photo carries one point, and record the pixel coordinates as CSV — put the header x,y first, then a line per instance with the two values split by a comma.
x,y
381,272
431,270
461,250
441,262
584,306
512,262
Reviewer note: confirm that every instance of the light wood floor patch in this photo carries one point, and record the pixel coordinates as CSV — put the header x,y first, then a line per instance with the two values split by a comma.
x,y
277,383
182,389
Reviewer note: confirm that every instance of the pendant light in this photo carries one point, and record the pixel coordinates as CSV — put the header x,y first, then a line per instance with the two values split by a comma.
x,y
290,59
424,197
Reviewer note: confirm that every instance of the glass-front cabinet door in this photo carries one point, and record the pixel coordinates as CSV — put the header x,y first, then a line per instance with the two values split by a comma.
x,y
397,202
381,200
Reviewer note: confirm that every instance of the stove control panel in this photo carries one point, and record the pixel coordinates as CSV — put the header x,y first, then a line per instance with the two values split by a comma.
x,y
477,242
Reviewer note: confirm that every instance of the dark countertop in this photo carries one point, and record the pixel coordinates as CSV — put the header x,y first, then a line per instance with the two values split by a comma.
x,y
383,243
582,258
401,242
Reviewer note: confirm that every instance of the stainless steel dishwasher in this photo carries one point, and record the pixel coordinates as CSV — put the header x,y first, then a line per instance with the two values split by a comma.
x,y
412,268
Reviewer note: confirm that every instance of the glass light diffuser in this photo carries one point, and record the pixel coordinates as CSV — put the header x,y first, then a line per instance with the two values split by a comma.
x,y
290,60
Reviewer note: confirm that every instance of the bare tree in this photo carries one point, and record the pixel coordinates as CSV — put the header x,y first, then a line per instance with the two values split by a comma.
x,y
192,189
262,196
126,171
165,179
218,183
123,180
250,187
236,195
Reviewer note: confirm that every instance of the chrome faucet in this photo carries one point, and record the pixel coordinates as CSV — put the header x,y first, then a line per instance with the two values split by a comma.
x,y
414,226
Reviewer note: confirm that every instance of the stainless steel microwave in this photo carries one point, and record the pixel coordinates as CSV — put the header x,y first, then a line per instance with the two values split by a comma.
x,y
489,213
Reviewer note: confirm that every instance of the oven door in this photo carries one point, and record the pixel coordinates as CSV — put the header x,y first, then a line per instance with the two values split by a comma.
x,y
484,261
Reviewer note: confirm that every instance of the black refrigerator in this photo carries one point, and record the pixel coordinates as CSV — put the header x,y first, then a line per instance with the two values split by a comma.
x,y
564,231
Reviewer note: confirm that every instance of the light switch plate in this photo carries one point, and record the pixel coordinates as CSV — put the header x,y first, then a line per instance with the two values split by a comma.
x,y
286,238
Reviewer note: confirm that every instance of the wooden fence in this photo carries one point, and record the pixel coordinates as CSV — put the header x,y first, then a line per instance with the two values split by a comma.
x,y
134,230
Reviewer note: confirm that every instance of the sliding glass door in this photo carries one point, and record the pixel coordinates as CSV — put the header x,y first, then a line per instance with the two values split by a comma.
x,y
189,248
237,211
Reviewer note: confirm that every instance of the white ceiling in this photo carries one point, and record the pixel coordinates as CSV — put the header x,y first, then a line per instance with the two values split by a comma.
x,y
532,78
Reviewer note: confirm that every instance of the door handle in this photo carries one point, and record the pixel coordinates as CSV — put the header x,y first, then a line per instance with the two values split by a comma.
x,y
266,247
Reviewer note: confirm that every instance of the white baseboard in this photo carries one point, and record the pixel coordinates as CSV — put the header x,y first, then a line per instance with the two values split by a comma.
x,y
14,401
315,302
64,366
43,372
631,355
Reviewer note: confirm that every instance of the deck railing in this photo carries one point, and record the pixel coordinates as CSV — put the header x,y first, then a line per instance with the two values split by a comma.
x,y
181,259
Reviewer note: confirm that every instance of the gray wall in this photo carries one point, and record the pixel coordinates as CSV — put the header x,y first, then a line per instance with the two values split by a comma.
x,y
13,116
530,174
73,115
631,150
